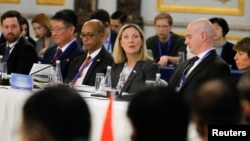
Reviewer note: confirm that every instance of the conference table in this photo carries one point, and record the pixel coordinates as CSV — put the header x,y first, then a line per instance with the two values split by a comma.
x,y
12,101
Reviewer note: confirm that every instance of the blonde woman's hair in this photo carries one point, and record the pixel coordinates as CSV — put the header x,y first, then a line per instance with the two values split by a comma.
x,y
119,54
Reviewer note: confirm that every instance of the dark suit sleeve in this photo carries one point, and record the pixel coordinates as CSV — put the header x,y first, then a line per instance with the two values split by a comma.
x,y
26,59
150,71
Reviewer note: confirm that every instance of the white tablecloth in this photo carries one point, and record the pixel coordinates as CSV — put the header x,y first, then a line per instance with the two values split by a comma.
x,y
11,102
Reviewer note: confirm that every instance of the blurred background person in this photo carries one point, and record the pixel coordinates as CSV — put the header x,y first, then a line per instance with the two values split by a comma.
x,y
42,27
223,47
55,113
165,45
83,69
158,114
118,19
19,54
132,64
63,31
109,34
26,32
242,57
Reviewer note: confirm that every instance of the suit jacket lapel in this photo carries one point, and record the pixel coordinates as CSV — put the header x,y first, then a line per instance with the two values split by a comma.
x,y
132,75
199,67
93,65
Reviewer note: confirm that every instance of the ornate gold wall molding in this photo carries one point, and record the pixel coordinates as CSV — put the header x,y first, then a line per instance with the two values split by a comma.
x,y
237,10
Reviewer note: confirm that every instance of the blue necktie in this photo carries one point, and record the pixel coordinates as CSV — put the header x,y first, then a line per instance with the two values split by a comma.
x,y
6,54
187,68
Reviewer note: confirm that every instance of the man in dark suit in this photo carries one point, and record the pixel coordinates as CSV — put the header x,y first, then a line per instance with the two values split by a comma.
x,y
92,36
109,34
199,39
17,52
63,32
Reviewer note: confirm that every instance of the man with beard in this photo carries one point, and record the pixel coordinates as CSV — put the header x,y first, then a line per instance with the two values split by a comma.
x,y
17,52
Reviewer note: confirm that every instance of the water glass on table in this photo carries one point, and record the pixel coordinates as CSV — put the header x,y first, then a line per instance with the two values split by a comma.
x,y
99,82
149,83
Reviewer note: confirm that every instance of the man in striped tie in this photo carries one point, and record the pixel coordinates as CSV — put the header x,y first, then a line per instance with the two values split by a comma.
x,y
82,70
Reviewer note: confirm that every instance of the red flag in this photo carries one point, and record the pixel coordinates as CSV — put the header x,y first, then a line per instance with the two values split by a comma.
x,y
107,132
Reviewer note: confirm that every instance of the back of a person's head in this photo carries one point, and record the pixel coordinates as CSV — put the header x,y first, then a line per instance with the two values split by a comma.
x,y
216,101
119,15
67,15
101,15
60,111
158,114
222,23
244,86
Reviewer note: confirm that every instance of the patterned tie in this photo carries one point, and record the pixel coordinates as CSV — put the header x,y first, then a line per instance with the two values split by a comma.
x,y
57,56
83,66
6,54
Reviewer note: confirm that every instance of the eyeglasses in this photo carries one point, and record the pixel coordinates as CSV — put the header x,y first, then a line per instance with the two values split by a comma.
x,y
56,30
88,35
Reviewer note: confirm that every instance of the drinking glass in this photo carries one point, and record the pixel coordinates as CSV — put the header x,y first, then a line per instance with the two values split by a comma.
x,y
149,83
99,81
4,70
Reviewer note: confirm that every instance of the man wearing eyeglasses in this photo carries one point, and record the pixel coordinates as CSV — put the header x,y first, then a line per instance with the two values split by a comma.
x,y
109,34
63,32
165,45
83,69
17,52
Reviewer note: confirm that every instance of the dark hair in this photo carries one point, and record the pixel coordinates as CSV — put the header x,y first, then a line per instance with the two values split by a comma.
x,y
68,16
12,13
216,101
61,111
222,23
119,15
101,15
158,114
243,45
28,27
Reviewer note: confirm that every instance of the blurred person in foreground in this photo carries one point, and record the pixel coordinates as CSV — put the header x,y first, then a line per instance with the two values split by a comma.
x,y
158,114
132,64
214,102
56,113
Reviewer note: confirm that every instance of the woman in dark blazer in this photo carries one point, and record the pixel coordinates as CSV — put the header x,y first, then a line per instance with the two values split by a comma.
x,y
132,64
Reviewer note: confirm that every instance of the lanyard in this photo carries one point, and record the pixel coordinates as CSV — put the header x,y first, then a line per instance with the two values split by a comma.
x,y
167,49
81,69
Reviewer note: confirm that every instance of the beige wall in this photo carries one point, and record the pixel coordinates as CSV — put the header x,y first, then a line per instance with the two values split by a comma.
x,y
239,25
